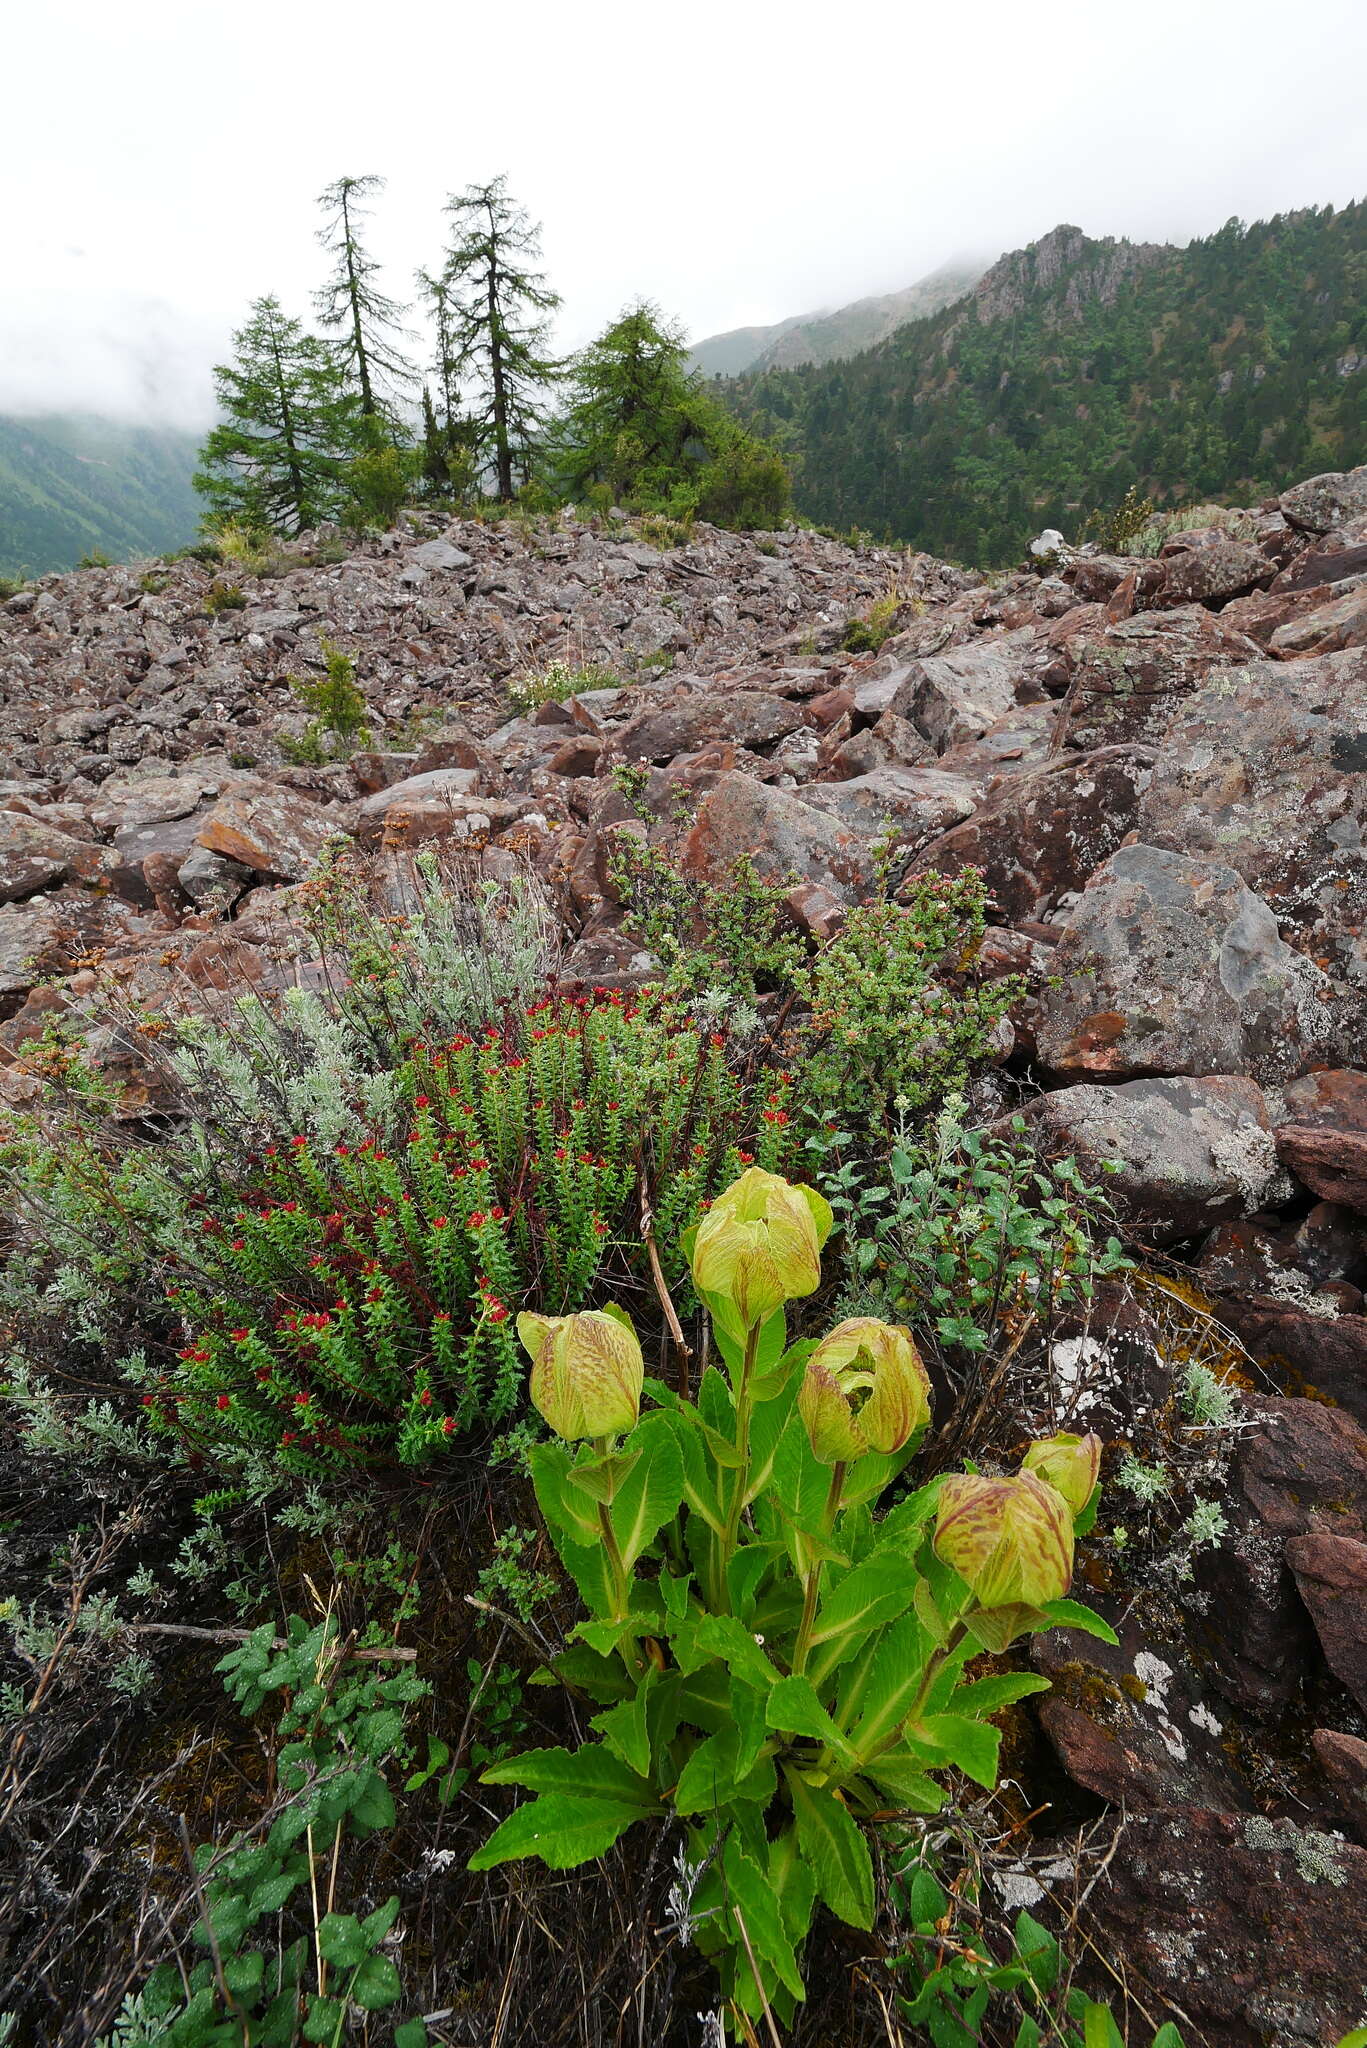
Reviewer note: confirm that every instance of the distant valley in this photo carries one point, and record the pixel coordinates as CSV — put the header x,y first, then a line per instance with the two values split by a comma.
x,y
73,485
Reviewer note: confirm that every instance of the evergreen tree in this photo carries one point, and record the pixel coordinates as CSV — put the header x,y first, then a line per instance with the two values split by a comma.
x,y
639,427
276,458
634,410
498,307
369,323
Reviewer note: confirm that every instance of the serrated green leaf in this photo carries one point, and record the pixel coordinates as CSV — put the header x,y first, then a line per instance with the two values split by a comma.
x,y
586,1670
712,1778
974,1746
835,1850
793,1708
589,1772
566,1511
623,1729
750,1897
883,1691
721,1635
563,1831
983,1696
902,1777
1072,1614
651,1492
243,1973
373,1805
873,1594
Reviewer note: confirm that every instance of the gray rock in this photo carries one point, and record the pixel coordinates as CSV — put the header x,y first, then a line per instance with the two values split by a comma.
x,y
440,554
1190,1153
1171,965
1322,502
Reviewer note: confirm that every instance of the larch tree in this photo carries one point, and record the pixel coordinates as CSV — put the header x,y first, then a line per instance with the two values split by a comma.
x,y
499,305
276,458
636,421
368,323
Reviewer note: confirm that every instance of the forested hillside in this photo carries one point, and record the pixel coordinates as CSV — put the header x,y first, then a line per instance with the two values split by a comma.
x,y
823,337
1078,368
77,485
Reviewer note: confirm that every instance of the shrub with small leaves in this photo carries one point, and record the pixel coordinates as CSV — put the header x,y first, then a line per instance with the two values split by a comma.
x,y
275,1971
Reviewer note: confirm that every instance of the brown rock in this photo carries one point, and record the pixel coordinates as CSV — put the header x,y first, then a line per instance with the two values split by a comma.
x,y
273,831
1126,681
787,838
35,856
1189,1153
747,718
1331,1573
1344,1761
1038,836
1333,1163
1322,502
1305,1469
1249,1933
1209,575
1342,622
1265,769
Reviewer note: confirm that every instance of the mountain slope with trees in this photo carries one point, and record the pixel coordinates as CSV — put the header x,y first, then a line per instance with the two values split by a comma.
x,y
1079,369
75,485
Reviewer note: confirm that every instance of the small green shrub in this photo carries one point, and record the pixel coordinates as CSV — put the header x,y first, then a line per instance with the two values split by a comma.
x,y
95,558
958,1987
893,1010
224,597
272,1960
657,531
10,586
338,707
866,635
730,939
379,483
971,1231
1116,532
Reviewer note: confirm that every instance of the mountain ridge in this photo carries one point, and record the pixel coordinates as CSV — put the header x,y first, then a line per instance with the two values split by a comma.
x,y
833,332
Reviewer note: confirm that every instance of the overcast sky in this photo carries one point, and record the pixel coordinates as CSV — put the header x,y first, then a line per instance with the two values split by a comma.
x,y
736,162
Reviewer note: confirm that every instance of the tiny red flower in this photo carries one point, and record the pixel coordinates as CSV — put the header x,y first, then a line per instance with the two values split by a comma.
x,y
497,1214
301,1400
225,1400
439,1222
239,1336
476,1219
419,1102
497,1312
425,1398
448,1425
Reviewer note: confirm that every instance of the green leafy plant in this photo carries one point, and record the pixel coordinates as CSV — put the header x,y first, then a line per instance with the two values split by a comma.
x,y
774,1667
338,707
731,938
866,635
224,597
340,1723
958,1986
341,1292
893,1008
972,1230
1117,531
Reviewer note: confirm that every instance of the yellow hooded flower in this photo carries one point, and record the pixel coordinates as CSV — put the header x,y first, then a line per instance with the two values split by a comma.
x,y
587,1372
864,1389
1067,1463
759,1245
1010,1540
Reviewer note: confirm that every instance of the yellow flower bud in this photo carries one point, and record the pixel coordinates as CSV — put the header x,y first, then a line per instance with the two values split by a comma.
x,y
759,1245
586,1372
1010,1540
1067,1463
864,1389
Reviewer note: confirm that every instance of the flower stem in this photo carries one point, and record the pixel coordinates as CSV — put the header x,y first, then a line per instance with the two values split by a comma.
x,y
731,1534
812,1587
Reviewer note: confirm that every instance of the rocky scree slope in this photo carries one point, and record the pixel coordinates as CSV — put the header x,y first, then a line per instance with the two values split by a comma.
x,y
1161,764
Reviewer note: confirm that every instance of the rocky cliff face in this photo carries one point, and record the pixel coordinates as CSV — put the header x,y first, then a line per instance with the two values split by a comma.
x,y
1161,764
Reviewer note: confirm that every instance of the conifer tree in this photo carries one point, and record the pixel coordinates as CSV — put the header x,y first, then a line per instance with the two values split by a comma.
x,y
276,458
499,308
369,323
635,416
